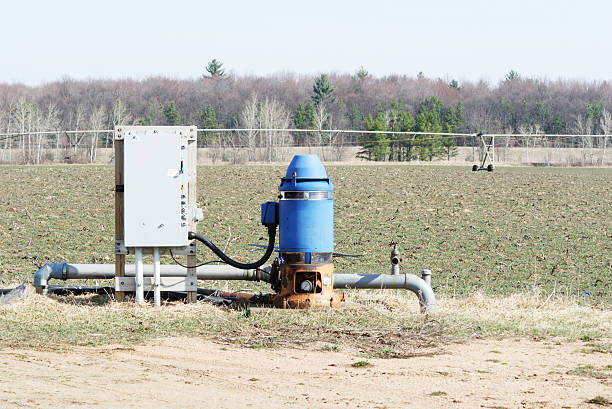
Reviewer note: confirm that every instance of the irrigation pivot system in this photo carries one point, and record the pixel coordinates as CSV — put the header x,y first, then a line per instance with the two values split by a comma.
x,y
554,149
156,213
489,153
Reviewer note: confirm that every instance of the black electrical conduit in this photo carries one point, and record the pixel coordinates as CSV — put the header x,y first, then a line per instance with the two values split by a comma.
x,y
234,263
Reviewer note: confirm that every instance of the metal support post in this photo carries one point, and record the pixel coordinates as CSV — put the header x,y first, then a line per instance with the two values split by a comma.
x,y
139,276
156,277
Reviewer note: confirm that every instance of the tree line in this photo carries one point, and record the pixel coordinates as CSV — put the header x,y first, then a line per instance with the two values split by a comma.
x,y
356,101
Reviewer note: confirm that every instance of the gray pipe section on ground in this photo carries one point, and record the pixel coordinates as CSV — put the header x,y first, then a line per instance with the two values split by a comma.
x,y
417,285
66,271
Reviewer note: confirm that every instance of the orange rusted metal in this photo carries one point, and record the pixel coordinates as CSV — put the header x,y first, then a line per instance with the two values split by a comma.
x,y
306,286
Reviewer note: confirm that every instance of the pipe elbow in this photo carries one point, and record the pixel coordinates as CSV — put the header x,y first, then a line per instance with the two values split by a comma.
x,y
423,290
46,272
411,282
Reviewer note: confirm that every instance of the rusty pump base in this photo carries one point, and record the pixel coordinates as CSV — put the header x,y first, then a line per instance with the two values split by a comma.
x,y
298,285
304,285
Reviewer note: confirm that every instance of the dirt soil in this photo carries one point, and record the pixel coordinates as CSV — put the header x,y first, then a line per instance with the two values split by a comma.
x,y
197,373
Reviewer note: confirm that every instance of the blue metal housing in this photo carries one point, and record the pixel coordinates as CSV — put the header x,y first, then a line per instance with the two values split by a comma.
x,y
269,214
306,208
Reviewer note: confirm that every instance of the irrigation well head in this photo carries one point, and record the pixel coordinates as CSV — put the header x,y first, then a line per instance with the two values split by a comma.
x,y
156,213
306,236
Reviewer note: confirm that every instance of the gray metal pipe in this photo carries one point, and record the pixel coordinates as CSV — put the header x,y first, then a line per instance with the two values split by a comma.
x,y
426,276
411,282
217,272
66,271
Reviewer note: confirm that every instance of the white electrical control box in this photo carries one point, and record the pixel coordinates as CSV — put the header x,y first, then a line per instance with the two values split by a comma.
x,y
156,186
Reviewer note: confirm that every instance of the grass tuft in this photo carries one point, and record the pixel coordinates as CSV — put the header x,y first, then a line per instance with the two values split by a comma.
x,y
599,400
438,393
590,371
596,347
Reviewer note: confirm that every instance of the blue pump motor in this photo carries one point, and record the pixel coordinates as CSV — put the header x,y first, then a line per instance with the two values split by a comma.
x,y
306,208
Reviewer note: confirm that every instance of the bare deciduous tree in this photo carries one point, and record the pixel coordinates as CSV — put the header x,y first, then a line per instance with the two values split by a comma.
x,y
119,116
249,118
606,127
584,127
332,143
50,122
77,118
25,116
5,124
273,115
490,108
531,138
96,121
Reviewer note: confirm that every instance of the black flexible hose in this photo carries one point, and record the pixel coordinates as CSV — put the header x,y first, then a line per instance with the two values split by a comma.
x,y
234,263
5,291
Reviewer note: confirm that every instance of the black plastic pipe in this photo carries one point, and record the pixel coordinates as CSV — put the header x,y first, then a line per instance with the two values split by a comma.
x,y
234,263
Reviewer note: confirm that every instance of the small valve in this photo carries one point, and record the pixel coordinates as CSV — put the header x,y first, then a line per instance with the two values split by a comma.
x,y
395,258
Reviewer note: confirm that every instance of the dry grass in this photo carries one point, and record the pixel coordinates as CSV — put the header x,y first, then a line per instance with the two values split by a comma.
x,y
591,371
377,323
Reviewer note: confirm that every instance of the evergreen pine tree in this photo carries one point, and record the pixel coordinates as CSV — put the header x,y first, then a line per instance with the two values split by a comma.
x,y
400,120
428,146
356,118
377,146
304,118
215,68
362,73
173,117
453,121
512,75
322,90
210,118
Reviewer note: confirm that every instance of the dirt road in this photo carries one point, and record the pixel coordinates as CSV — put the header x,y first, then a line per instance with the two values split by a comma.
x,y
196,373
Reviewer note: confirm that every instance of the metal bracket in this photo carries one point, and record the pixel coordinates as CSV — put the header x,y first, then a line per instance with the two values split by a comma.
x,y
120,247
189,250
193,134
165,284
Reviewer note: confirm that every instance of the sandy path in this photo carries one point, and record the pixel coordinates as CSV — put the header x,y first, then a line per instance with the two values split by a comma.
x,y
196,373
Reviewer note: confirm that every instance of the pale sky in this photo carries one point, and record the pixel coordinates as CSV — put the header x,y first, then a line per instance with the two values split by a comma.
x,y
44,41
